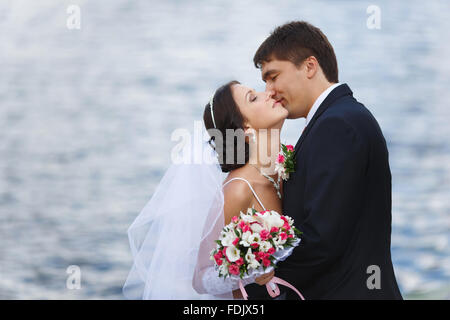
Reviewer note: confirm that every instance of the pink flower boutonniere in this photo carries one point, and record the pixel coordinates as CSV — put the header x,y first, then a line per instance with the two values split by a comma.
x,y
285,162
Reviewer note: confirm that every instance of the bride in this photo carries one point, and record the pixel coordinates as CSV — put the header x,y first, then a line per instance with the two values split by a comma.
x,y
173,235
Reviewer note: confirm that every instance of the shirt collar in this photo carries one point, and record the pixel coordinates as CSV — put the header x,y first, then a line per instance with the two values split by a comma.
x,y
319,101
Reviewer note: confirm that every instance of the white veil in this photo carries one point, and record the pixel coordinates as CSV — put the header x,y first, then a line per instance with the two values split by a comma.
x,y
173,235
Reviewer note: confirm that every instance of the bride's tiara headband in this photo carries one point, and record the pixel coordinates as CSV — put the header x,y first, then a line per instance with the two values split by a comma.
x,y
212,112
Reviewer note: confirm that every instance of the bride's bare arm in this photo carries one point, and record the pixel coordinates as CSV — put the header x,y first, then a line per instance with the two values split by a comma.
x,y
237,197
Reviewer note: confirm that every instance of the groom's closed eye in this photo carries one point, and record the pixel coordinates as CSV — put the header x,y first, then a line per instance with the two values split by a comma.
x,y
270,74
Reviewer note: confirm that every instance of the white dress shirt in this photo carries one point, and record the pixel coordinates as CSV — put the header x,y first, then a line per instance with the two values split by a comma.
x,y
319,101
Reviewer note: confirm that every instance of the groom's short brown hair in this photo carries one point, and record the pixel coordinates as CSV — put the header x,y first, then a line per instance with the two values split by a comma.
x,y
295,41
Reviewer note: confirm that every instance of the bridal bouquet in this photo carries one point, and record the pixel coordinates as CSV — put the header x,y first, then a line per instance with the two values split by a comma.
x,y
254,242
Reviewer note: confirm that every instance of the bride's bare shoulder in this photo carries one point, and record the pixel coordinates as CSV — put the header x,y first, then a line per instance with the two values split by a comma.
x,y
236,186
237,195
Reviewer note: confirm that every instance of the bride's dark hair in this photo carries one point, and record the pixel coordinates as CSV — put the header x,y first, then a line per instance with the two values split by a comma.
x,y
226,116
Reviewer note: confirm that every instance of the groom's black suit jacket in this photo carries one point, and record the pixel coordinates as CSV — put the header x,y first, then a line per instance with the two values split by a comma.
x,y
340,198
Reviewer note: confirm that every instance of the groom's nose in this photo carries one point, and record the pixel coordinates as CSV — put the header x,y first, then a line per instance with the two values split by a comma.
x,y
270,86
270,94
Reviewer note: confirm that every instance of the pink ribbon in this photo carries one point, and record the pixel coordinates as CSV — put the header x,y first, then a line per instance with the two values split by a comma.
x,y
272,288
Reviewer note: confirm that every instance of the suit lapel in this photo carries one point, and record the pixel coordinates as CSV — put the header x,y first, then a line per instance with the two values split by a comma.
x,y
336,93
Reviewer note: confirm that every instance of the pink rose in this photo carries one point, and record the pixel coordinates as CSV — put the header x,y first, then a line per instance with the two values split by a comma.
x,y
224,253
280,158
271,251
274,229
283,236
254,245
290,236
233,269
266,262
241,224
289,147
235,242
218,255
239,262
235,219
259,255
264,234
286,226
245,228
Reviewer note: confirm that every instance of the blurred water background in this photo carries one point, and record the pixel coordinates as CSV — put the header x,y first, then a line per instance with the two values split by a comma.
x,y
86,117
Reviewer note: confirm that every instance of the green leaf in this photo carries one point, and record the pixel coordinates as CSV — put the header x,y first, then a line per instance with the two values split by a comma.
x,y
296,231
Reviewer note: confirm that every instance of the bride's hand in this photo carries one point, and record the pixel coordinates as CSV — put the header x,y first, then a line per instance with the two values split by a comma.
x,y
265,278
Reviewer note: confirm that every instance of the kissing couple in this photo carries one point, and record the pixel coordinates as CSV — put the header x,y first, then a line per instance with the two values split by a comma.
x,y
338,193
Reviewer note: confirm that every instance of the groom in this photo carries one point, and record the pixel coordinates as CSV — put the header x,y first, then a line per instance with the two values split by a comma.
x,y
340,192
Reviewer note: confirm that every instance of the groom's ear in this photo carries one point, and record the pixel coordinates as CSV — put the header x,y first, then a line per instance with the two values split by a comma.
x,y
311,66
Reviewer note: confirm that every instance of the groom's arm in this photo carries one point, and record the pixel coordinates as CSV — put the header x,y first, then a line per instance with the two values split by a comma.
x,y
336,159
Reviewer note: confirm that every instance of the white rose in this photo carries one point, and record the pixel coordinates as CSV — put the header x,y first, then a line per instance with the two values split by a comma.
x,y
278,166
245,239
256,227
225,231
254,238
223,269
290,220
232,225
254,264
265,246
247,218
281,171
227,239
249,257
274,213
277,218
273,220
233,253
278,243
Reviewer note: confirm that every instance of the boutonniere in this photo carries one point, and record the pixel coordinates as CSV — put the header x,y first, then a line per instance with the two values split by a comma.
x,y
285,161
